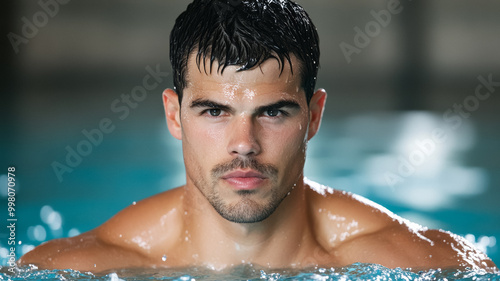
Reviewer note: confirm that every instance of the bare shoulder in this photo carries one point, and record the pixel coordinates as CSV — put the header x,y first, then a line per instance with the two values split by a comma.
x,y
142,226
407,245
339,216
128,239
355,229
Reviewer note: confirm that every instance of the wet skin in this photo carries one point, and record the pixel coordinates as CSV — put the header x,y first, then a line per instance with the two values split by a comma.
x,y
244,137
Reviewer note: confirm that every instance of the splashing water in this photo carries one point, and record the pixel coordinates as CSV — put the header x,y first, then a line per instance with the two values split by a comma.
x,y
357,271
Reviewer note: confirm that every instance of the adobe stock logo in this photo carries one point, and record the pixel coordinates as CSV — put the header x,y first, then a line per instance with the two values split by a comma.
x,y
50,8
454,118
362,38
122,107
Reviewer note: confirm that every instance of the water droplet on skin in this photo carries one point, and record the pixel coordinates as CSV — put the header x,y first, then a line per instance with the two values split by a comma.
x,y
185,213
164,258
133,203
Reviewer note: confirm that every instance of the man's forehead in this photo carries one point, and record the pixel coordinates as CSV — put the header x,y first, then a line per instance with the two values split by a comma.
x,y
270,73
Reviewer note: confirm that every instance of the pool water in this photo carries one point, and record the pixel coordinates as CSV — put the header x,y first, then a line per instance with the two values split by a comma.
x,y
356,271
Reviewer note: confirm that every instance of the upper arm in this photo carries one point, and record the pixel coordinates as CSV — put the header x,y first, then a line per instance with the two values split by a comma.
x,y
129,239
458,251
85,252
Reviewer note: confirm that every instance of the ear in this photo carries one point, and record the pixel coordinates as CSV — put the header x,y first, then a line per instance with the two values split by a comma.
x,y
172,112
316,108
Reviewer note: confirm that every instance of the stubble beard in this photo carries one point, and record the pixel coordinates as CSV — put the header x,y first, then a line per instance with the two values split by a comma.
x,y
246,210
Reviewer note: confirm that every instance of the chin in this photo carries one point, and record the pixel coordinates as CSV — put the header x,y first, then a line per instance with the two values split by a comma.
x,y
246,210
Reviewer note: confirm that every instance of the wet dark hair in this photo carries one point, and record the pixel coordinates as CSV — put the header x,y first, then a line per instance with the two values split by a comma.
x,y
244,33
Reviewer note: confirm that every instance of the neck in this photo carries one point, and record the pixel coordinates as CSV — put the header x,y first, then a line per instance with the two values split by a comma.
x,y
273,242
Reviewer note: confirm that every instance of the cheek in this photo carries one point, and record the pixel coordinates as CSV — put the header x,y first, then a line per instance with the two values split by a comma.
x,y
200,141
199,152
288,142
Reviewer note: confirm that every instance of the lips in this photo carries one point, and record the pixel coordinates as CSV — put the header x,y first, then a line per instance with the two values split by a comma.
x,y
244,180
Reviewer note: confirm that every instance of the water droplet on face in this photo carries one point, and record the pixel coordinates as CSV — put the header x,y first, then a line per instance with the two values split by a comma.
x,y
164,258
133,203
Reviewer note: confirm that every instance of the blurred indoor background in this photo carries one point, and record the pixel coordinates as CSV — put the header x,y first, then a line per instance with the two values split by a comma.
x,y
405,124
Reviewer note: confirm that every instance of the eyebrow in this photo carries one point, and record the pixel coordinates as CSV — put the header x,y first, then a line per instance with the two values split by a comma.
x,y
277,105
210,104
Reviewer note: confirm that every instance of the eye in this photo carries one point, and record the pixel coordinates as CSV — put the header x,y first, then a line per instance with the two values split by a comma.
x,y
273,112
214,112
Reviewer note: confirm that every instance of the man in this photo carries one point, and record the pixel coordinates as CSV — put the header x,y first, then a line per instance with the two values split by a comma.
x,y
244,107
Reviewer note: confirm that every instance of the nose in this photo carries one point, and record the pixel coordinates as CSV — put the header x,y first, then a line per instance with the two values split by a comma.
x,y
243,137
